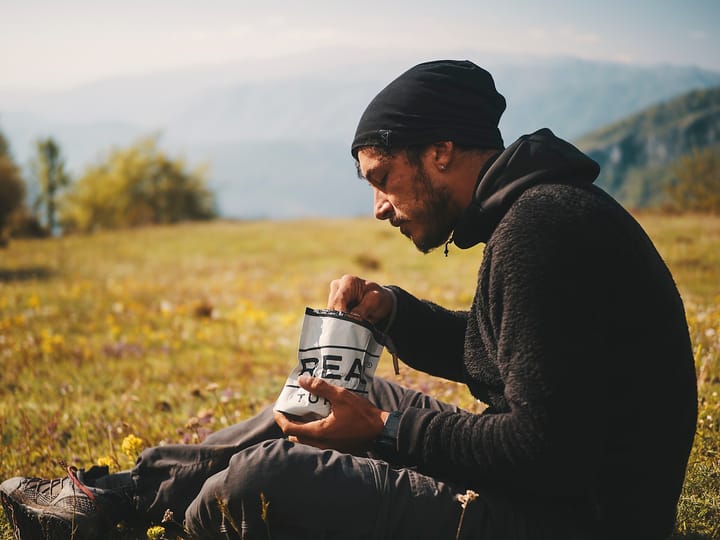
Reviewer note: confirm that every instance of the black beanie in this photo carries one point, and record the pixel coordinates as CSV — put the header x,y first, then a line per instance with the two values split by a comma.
x,y
443,100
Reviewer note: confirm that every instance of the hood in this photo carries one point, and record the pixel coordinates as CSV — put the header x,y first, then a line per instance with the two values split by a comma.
x,y
538,158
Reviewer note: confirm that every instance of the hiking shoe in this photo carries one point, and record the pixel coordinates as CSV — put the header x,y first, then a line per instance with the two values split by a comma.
x,y
57,509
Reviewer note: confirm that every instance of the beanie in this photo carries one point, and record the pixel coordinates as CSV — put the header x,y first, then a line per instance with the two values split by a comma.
x,y
442,100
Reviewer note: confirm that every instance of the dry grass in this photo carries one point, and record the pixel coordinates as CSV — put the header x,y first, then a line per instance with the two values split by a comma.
x,y
169,333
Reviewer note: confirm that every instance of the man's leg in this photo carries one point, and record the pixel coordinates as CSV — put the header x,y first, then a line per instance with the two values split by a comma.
x,y
164,478
258,428
169,477
312,493
282,490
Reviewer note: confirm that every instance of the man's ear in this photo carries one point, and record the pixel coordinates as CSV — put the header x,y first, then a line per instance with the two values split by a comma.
x,y
442,154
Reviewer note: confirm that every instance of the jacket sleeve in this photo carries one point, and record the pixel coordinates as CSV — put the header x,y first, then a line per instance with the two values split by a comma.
x,y
543,304
428,337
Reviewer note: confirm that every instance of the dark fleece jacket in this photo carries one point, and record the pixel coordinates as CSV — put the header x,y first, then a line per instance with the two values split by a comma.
x,y
576,339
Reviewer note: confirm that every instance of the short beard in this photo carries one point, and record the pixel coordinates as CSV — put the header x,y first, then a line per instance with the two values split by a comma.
x,y
437,212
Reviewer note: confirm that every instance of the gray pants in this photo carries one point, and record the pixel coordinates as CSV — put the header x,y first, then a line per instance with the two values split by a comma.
x,y
219,487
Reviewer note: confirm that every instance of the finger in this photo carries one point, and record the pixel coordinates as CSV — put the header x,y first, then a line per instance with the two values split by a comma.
x,y
285,422
304,431
321,388
333,297
281,420
365,299
295,428
375,306
345,293
334,286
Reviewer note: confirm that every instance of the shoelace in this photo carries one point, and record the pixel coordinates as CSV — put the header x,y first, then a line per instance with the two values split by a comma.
x,y
72,474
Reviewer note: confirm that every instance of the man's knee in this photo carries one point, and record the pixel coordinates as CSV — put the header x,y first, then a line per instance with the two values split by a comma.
x,y
233,498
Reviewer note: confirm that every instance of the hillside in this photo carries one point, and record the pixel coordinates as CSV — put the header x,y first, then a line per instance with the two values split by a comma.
x,y
637,154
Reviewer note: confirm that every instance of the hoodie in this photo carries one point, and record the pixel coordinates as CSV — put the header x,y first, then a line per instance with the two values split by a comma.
x,y
577,341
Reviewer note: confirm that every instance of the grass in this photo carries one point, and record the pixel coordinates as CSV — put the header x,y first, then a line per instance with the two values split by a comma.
x,y
116,341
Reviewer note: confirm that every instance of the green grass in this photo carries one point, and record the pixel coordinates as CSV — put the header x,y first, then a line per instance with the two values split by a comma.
x,y
168,333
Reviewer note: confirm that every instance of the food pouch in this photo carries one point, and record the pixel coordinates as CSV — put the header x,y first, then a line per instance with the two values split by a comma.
x,y
338,348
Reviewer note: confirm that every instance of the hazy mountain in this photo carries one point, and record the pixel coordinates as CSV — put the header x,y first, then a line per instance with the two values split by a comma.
x,y
276,133
288,179
637,154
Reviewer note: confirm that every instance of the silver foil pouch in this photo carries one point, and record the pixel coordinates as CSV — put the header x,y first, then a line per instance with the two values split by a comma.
x,y
338,348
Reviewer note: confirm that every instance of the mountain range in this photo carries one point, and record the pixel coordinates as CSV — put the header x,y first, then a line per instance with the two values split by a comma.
x,y
276,133
637,154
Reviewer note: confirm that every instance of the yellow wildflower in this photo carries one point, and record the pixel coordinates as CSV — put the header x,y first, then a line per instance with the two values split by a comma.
x,y
106,461
132,446
46,347
156,533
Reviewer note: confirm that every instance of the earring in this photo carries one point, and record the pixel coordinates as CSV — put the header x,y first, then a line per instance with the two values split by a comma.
x,y
443,167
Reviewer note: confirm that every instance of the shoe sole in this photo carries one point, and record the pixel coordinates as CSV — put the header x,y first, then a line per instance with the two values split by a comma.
x,y
35,525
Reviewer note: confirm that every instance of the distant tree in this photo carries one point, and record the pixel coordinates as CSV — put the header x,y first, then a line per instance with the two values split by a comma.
x,y
12,188
137,185
48,168
697,184
4,146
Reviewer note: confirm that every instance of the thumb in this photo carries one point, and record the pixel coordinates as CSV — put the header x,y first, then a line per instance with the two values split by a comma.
x,y
319,387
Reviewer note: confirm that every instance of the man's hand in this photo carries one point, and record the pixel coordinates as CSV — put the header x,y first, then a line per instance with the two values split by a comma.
x,y
366,299
352,425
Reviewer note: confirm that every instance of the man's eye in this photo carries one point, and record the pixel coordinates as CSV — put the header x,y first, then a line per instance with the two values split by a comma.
x,y
375,182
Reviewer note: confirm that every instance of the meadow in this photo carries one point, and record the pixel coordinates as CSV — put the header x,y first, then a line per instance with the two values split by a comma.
x,y
120,340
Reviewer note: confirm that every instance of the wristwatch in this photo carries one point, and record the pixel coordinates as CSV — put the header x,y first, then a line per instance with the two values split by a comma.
x,y
386,442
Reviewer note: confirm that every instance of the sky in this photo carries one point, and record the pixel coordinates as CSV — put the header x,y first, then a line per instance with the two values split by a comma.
x,y
50,44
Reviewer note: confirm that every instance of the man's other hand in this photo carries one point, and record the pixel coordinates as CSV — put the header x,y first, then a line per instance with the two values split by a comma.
x,y
352,425
366,299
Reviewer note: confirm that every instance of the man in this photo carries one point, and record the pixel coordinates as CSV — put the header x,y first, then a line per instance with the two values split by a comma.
x,y
576,339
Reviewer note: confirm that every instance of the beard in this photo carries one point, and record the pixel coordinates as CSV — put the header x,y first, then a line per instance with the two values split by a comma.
x,y
435,212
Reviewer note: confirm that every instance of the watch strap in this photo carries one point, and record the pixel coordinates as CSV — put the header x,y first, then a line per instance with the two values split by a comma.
x,y
386,442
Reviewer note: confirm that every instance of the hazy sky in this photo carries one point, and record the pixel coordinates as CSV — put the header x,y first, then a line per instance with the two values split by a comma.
x,y
52,44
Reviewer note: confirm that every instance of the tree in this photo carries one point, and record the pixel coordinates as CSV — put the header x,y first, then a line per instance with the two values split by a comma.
x,y
697,186
12,188
138,185
4,146
49,170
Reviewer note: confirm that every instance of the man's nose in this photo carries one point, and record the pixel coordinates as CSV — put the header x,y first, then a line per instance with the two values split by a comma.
x,y
382,206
